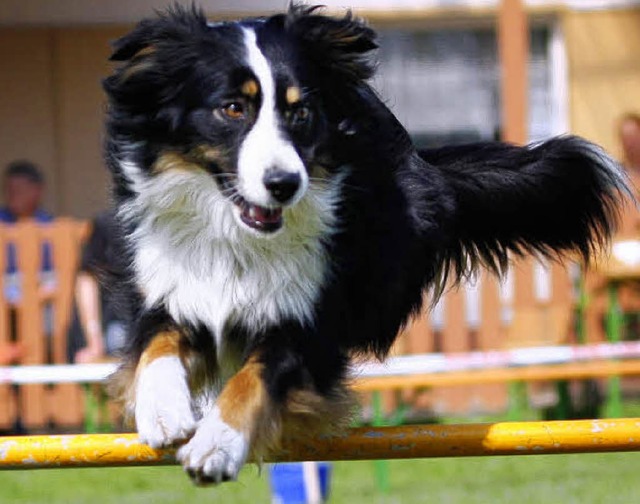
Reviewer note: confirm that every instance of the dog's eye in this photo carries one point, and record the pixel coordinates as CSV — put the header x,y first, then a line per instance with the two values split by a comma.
x,y
234,110
300,115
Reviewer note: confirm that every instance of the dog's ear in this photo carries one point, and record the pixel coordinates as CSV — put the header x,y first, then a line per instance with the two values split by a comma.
x,y
176,23
140,39
341,45
156,61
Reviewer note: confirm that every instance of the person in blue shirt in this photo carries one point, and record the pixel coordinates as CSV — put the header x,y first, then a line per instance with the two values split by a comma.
x,y
23,189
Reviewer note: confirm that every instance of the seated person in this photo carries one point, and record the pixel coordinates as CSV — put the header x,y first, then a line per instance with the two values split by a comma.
x,y
97,330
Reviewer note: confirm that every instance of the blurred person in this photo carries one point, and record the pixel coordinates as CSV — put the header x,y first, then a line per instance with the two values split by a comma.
x,y
23,190
629,135
23,187
97,330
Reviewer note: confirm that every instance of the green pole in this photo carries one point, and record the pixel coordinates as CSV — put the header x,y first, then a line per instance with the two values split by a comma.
x,y
518,401
381,467
90,411
583,302
613,406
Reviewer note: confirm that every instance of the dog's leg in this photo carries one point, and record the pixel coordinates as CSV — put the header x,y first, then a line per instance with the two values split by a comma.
x,y
283,388
163,407
220,446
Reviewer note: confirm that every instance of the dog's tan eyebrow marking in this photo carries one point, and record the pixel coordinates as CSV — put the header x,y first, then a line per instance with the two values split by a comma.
x,y
293,95
250,88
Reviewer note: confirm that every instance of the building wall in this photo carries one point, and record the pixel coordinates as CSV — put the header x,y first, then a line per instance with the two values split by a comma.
x,y
27,119
603,50
51,110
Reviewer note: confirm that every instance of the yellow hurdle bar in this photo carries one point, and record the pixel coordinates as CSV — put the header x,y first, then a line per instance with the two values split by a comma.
x,y
363,443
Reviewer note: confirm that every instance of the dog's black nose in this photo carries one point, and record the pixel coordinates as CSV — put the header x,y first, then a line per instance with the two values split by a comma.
x,y
281,185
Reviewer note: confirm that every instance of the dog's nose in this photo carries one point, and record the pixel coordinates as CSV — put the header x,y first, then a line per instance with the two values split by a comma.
x,y
282,185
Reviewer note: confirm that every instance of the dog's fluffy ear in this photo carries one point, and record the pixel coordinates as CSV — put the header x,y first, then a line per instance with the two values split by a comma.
x,y
333,44
145,80
175,23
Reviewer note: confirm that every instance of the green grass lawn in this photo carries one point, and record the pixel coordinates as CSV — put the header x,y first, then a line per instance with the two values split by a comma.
x,y
564,479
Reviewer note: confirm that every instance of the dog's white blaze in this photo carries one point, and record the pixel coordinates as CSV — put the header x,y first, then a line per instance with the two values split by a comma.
x,y
195,259
264,147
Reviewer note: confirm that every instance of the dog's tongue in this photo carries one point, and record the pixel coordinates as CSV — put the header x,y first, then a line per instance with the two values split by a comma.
x,y
264,219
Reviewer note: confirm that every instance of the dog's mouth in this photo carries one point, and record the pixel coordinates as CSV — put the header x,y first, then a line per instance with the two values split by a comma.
x,y
263,219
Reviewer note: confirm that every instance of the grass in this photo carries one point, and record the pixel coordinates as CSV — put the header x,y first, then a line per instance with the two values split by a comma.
x,y
566,479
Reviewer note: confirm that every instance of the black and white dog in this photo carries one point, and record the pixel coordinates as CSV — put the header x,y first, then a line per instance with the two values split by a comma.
x,y
278,220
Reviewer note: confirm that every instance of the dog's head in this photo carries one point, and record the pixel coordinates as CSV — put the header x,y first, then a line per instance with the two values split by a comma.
x,y
253,107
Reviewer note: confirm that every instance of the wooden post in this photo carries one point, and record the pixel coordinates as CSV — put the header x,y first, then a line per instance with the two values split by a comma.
x,y
65,400
513,48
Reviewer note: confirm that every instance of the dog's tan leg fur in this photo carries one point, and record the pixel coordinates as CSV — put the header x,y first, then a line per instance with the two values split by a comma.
x,y
246,406
163,344
159,395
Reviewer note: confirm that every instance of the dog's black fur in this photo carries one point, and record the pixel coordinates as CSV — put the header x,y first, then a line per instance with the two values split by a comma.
x,y
407,221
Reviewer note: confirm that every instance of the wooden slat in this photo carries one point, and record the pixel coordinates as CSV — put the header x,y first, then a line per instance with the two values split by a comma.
x,y
65,400
491,337
7,398
455,338
30,321
420,336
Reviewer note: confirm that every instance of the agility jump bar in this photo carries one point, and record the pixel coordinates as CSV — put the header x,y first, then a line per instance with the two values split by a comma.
x,y
363,443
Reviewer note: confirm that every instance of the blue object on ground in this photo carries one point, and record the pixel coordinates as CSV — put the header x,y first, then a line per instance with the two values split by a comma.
x,y
288,484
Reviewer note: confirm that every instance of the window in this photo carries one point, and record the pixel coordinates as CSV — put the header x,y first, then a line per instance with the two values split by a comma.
x,y
444,84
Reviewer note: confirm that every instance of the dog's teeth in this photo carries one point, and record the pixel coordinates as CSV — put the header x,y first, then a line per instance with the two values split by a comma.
x,y
252,212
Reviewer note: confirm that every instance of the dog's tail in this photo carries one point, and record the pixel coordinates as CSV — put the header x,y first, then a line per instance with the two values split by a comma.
x,y
553,198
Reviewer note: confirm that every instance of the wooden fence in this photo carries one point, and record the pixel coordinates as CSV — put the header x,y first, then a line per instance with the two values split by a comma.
x,y
533,306
35,309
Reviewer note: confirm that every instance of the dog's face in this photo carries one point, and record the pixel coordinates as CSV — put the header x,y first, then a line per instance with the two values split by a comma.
x,y
250,110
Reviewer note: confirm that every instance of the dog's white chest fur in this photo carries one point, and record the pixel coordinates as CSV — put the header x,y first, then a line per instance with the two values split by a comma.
x,y
192,258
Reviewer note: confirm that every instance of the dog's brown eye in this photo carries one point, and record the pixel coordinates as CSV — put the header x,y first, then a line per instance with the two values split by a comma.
x,y
234,110
301,115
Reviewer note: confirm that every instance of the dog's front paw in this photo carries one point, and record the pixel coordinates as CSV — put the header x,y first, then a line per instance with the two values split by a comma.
x,y
215,453
163,411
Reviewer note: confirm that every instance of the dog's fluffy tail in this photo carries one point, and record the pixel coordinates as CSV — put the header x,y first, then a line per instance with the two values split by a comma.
x,y
553,198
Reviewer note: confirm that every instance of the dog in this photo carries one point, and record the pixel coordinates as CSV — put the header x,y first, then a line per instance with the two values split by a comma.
x,y
277,220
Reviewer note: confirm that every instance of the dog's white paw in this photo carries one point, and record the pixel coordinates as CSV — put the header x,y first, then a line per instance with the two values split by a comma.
x,y
163,411
216,452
